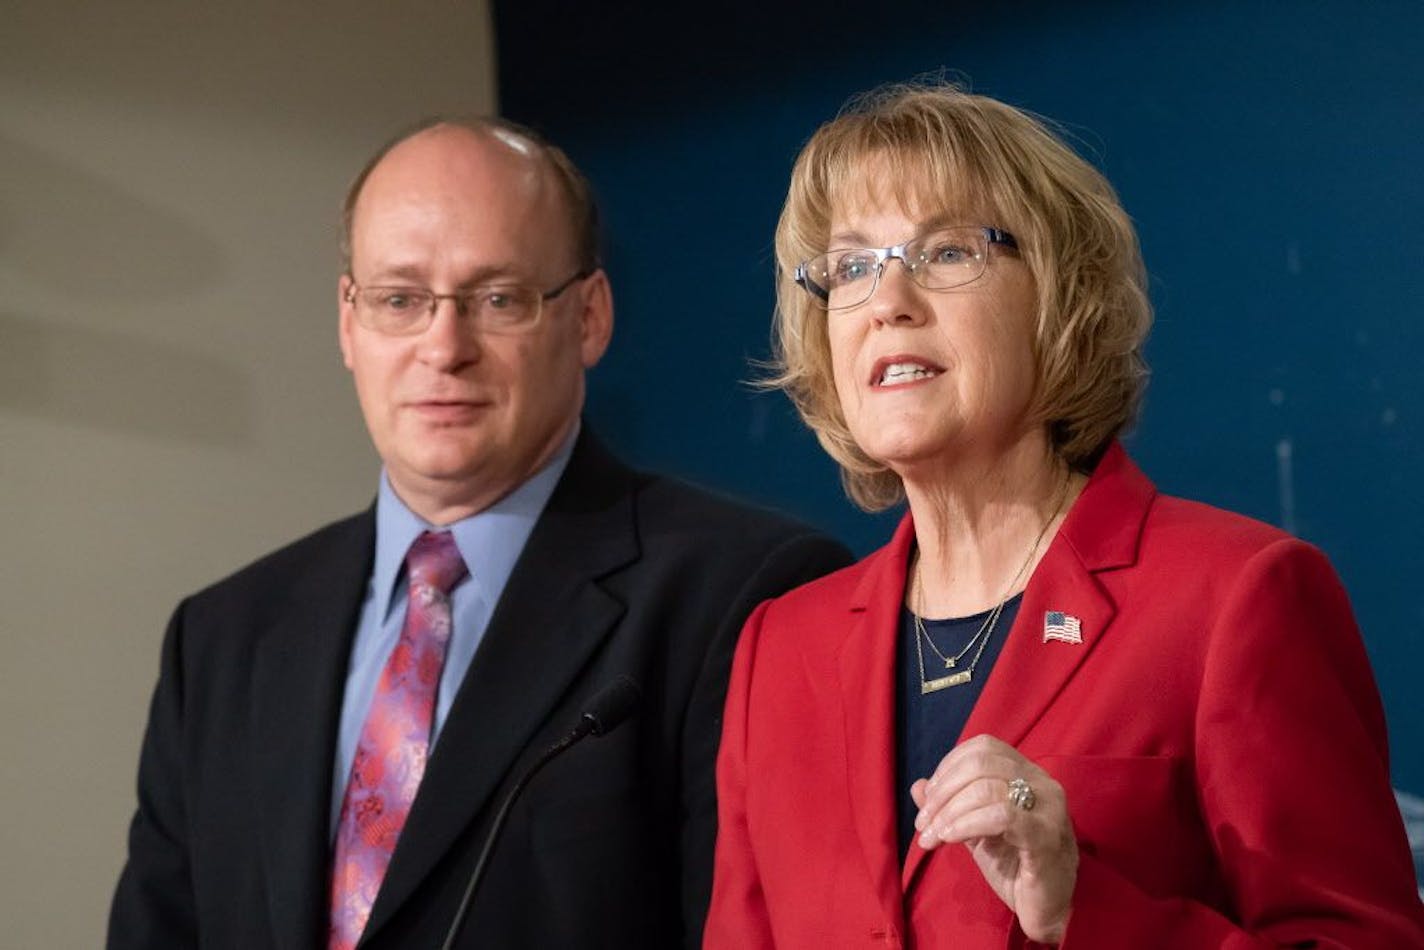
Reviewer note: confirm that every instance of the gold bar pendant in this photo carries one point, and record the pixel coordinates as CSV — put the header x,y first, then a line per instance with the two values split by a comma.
x,y
955,679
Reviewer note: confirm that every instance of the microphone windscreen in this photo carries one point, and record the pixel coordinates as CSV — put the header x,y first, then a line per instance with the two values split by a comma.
x,y
613,704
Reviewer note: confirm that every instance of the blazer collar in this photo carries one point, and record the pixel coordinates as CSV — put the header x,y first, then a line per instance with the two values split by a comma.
x,y
1100,533
551,618
1104,526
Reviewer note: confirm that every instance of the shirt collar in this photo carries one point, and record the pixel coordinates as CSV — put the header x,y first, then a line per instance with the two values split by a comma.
x,y
490,541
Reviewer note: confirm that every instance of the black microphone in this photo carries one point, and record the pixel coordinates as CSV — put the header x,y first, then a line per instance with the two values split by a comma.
x,y
604,713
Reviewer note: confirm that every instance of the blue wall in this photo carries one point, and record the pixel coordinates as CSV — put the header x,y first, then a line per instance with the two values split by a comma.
x,y
1271,154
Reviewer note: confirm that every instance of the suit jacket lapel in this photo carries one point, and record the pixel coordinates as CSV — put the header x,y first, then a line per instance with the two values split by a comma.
x,y
866,672
298,679
550,619
1100,533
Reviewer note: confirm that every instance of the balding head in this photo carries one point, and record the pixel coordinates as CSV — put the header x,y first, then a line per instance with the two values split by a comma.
x,y
578,209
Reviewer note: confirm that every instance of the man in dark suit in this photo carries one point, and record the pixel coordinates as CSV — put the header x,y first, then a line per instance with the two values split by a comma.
x,y
335,725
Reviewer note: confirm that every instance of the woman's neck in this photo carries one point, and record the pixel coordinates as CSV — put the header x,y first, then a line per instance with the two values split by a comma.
x,y
982,525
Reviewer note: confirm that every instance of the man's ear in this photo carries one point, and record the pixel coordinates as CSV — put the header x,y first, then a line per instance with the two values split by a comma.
x,y
596,328
346,311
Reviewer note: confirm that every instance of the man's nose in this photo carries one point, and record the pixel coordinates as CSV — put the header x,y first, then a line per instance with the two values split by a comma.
x,y
451,339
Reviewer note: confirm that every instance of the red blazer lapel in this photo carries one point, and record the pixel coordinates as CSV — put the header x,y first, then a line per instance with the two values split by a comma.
x,y
1033,668
866,671
1100,533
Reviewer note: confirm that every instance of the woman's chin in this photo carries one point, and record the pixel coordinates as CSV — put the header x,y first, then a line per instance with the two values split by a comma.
x,y
914,461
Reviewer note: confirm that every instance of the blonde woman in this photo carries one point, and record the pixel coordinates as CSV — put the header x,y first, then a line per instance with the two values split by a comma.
x,y
1058,707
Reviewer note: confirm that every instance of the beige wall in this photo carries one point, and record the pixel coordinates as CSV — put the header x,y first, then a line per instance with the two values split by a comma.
x,y
172,401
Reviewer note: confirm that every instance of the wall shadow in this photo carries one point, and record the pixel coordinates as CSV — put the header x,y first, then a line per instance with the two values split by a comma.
x,y
70,230
79,375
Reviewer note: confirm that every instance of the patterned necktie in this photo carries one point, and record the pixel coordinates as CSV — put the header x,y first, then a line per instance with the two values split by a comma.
x,y
395,739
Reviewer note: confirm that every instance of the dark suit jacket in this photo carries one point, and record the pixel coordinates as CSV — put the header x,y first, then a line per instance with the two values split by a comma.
x,y
1217,733
610,846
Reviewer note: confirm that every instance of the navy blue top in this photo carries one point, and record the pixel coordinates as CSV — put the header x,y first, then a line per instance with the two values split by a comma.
x,y
928,724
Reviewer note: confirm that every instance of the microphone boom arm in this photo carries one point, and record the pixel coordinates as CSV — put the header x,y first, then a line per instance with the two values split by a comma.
x,y
605,712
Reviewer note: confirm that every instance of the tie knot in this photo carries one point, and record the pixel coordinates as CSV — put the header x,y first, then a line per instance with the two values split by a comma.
x,y
435,562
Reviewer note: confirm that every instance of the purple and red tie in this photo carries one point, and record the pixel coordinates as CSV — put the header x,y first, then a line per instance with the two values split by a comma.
x,y
395,739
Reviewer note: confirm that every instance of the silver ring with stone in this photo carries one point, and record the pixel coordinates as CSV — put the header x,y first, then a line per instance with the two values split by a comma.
x,y
1021,795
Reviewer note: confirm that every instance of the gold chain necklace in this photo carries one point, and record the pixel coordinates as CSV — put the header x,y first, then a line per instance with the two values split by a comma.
x,y
985,632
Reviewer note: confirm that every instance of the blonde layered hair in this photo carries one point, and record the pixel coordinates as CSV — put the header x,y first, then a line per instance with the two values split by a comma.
x,y
948,150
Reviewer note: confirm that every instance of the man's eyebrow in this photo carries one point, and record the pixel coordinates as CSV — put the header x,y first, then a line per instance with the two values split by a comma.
x,y
407,272
416,275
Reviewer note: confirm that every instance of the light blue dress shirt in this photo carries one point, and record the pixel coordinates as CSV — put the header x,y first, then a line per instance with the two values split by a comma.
x,y
490,542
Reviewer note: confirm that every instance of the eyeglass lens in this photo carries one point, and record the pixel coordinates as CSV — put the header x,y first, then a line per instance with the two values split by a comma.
x,y
409,310
939,260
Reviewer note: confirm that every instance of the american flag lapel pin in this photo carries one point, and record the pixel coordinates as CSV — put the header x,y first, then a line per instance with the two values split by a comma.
x,y
1060,626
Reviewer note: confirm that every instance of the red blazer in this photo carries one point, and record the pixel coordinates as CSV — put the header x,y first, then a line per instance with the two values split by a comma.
x,y
1218,733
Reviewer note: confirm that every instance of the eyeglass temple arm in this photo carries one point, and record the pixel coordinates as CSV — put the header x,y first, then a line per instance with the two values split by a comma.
x,y
1000,236
804,280
581,275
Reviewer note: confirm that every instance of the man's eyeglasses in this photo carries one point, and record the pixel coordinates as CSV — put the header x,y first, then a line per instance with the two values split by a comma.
x,y
939,260
495,308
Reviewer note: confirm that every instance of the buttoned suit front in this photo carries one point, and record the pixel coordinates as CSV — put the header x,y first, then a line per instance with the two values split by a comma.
x,y
1217,732
610,846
